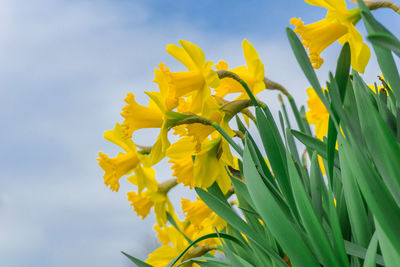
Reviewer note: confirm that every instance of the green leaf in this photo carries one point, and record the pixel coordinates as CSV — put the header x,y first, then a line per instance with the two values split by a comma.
x,y
332,136
385,41
360,252
370,256
275,151
390,254
315,144
343,69
260,161
205,261
235,146
379,139
228,214
304,62
375,193
316,181
317,236
361,229
136,260
383,55
204,237
292,145
301,123
241,191
275,219
173,223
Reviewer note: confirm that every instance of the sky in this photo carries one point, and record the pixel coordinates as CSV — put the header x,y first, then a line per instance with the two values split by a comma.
x,y
65,67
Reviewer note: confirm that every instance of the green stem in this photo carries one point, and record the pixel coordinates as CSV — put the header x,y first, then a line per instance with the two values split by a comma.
x,y
228,74
374,5
167,185
227,138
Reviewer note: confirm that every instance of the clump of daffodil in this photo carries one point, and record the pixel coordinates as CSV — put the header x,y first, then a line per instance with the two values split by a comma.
x,y
186,104
337,26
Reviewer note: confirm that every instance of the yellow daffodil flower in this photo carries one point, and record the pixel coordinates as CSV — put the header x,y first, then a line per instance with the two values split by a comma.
x,y
138,116
338,25
317,114
154,116
215,154
173,243
253,74
200,215
123,163
188,162
143,202
196,81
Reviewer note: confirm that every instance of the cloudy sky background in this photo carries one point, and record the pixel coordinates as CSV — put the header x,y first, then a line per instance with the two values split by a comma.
x,y
65,67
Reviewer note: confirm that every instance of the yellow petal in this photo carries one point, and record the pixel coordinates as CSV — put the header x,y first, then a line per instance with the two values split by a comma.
x,y
162,256
139,117
317,114
318,36
118,137
254,64
210,156
360,52
339,5
182,148
144,178
195,53
189,55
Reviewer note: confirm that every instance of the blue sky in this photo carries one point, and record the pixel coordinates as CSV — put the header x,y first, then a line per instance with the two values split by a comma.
x,y
65,67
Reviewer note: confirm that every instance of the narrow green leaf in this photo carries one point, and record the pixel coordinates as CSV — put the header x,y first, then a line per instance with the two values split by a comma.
x,y
276,220
136,260
229,215
317,236
357,213
343,69
385,41
370,256
304,62
316,182
315,144
391,255
204,237
203,261
360,252
173,223
235,146
383,55
380,141
375,193
275,151
301,123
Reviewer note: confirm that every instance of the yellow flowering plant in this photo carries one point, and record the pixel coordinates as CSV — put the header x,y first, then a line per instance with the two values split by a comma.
x,y
335,204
